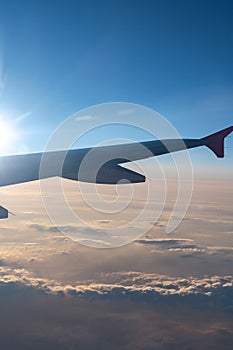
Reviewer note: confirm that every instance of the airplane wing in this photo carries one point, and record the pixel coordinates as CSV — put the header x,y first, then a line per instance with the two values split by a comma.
x,y
101,164
106,159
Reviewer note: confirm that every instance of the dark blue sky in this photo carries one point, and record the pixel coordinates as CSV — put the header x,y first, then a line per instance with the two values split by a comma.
x,y
57,57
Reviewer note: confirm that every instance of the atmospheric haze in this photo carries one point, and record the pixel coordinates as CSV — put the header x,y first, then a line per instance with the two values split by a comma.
x,y
163,291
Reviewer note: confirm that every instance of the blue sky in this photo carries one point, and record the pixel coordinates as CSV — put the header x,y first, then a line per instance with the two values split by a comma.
x,y
57,57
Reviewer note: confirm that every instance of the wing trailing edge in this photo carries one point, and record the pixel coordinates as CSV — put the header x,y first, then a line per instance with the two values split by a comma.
x,y
114,173
109,174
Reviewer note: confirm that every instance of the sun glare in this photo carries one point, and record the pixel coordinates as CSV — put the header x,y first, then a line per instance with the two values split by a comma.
x,y
7,136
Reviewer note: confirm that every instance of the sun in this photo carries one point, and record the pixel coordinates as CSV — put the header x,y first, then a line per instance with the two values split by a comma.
x,y
8,135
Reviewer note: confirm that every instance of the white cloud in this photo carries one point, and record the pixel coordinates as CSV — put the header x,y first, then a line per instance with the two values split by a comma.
x,y
23,116
85,118
164,241
126,111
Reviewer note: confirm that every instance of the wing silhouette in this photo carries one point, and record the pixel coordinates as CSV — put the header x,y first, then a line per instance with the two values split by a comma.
x,y
103,163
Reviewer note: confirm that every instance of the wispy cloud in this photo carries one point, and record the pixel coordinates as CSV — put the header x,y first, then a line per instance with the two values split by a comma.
x,y
178,245
164,241
126,111
23,116
85,118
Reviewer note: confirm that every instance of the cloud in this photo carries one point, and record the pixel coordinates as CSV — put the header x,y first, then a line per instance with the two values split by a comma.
x,y
187,250
121,284
183,246
103,221
85,118
36,319
126,111
223,250
164,241
87,235
178,245
23,116
49,228
86,230
94,242
126,310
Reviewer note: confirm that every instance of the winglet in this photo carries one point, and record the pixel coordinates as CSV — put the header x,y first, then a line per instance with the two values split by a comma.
x,y
215,142
3,213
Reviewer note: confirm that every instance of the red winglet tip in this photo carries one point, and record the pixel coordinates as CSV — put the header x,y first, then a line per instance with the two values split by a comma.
x,y
216,141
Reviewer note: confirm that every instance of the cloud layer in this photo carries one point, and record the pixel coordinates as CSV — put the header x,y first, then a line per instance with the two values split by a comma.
x,y
123,284
132,311
162,292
